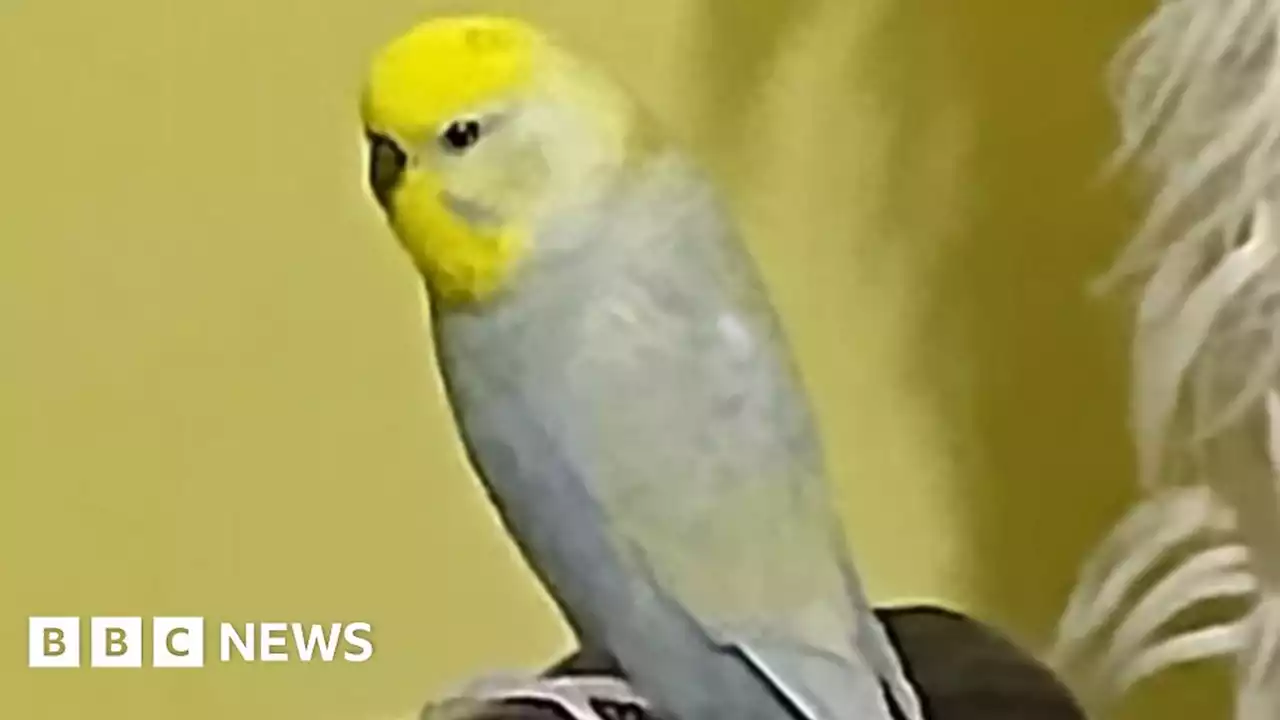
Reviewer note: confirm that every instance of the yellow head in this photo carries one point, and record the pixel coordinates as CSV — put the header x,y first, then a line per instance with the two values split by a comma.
x,y
478,127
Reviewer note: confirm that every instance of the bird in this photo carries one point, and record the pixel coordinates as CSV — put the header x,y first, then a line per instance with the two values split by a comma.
x,y
620,380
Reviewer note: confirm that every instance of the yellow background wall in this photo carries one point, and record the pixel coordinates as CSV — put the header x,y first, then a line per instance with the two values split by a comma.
x,y
217,395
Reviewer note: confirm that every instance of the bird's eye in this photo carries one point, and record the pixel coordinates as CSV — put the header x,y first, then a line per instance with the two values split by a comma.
x,y
460,135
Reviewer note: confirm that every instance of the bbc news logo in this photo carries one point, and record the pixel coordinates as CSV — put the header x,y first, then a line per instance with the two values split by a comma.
x,y
179,642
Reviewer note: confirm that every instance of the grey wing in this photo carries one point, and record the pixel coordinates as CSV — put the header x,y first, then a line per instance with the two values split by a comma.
x,y
598,581
705,463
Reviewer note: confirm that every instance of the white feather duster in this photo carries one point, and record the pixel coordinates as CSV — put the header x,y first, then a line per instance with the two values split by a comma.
x,y
1199,103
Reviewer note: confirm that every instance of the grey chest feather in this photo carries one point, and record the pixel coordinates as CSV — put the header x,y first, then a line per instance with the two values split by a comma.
x,y
648,340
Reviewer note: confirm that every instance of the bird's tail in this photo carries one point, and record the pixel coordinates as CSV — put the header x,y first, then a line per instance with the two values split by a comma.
x,y
1193,572
873,644
818,685
866,679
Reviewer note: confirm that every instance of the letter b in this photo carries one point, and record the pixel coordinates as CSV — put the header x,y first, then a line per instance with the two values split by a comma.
x,y
53,642
115,642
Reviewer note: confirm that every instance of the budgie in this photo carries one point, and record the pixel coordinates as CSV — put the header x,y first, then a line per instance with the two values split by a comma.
x,y
620,381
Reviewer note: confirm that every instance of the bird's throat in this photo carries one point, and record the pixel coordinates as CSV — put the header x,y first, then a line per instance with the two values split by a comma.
x,y
463,262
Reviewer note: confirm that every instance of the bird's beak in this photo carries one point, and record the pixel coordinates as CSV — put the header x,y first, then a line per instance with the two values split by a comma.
x,y
387,162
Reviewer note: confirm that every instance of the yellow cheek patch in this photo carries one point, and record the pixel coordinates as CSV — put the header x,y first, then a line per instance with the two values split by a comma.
x,y
461,263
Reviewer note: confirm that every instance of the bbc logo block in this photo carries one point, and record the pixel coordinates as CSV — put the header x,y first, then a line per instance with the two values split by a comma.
x,y
115,642
53,642
177,642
